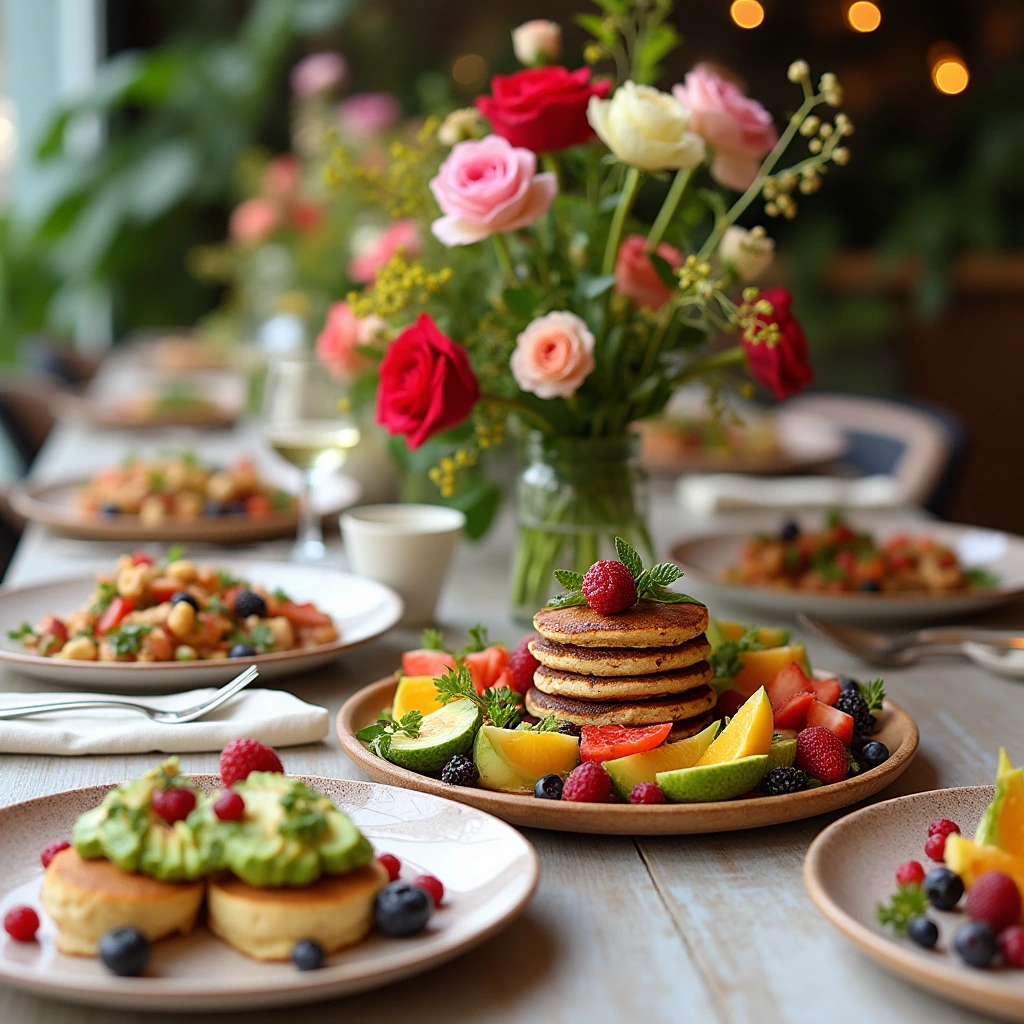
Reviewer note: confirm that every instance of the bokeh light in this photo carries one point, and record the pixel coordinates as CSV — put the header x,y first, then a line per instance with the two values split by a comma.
x,y
950,75
470,70
746,13
863,16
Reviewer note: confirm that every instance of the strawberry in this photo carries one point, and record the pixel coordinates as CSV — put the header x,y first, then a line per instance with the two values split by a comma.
x,y
821,754
827,690
486,666
832,719
522,664
793,714
607,742
788,682
426,662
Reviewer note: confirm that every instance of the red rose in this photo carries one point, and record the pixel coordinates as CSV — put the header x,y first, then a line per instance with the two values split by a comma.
x,y
543,109
635,275
783,365
426,384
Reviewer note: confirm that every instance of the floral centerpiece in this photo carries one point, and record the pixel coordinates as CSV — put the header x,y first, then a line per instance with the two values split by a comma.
x,y
581,258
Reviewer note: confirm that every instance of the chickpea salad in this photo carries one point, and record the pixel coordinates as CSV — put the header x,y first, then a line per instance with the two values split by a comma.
x,y
173,610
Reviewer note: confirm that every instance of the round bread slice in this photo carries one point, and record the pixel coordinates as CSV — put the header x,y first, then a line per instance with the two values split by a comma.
x,y
620,661
86,898
674,708
336,911
621,688
646,624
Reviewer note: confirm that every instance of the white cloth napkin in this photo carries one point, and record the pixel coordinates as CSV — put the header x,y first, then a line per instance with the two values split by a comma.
x,y
704,494
274,717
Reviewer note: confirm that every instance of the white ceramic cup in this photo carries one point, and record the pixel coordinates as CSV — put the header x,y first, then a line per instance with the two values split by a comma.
x,y
408,547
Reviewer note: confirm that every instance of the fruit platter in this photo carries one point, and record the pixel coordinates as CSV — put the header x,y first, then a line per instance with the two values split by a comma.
x,y
927,901
254,888
629,710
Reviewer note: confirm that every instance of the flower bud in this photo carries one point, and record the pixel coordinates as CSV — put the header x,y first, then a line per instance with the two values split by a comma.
x,y
810,125
798,71
749,253
537,42
841,156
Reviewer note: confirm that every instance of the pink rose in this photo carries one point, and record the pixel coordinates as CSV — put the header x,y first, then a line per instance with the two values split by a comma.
x,y
253,221
318,73
368,114
553,356
486,186
635,275
403,234
282,178
343,335
738,129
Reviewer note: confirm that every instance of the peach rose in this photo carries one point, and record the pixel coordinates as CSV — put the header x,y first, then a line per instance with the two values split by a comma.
x,y
403,234
282,178
343,335
738,129
635,275
553,356
253,221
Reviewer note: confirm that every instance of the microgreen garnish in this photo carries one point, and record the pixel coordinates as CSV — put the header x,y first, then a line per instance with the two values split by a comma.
x,y
175,553
547,724
725,660
23,632
978,577
281,501
127,638
432,640
280,596
502,705
908,902
103,595
225,579
380,734
216,606
873,694
261,636
479,640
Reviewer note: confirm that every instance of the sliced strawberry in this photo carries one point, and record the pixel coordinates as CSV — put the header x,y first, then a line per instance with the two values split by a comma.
x,y
486,666
833,719
793,714
729,703
425,662
827,690
607,742
789,681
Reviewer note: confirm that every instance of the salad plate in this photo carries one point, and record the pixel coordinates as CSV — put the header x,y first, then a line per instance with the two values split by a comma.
x,y
489,871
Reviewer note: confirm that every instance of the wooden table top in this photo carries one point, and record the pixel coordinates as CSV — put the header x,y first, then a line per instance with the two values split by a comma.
x,y
701,928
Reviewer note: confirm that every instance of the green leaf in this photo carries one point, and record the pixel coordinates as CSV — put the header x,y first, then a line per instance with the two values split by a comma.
x,y
523,302
105,593
668,276
873,694
908,902
369,732
479,640
594,287
432,640
547,724
175,553
21,633
664,573
629,558
572,581
566,601
127,639
979,577
596,26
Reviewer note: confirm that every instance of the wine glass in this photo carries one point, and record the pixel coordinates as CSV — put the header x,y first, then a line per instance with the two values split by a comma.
x,y
307,420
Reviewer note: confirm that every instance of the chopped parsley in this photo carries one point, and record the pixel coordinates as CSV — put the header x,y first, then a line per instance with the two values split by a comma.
x,y
23,632
280,596
104,594
501,705
726,661
978,577
908,902
225,579
175,553
378,736
127,639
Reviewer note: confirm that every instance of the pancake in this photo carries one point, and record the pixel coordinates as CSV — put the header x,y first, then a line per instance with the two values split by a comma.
x,y
621,688
265,923
620,661
86,898
674,708
647,624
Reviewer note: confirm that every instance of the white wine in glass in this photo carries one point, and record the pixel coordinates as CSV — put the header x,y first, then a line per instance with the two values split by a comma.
x,y
306,420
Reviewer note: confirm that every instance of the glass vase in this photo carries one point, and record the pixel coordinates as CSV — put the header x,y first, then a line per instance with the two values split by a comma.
x,y
574,497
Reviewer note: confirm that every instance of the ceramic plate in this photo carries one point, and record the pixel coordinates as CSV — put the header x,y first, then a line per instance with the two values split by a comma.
x,y
898,732
53,505
361,608
488,869
704,559
850,866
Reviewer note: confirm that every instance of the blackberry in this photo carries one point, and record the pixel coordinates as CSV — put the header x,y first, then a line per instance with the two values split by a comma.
x,y
460,771
856,707
780,781
789,530
569,729
247,603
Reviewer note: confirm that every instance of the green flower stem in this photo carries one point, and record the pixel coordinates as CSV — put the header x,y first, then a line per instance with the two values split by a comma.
x,y
505,260
669,207
630,188
532,416
723,360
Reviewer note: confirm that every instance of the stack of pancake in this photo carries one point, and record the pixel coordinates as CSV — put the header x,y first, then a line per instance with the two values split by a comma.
x,y
643,666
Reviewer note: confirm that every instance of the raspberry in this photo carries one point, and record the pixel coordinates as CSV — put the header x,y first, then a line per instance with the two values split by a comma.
x,y
935,846
1011,945
588,783
995,899
242,756
21,923
174,804
51,850
910,873
943,826
432,885
391,864
820,753
229,806
609,587
728,704
646,793
522,664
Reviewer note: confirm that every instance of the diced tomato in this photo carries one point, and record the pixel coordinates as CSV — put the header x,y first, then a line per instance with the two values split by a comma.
x,y
258,506
424,662
729,703
486,666
872,569
901,559
607,742
827,690
832,719
840,534
214,626
946,559
793,714
845,560
301,615
229,594
141,558
163,588
789,680
52,626
114,615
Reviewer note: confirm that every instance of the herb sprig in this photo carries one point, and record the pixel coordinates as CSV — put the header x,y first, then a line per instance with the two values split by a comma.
x,y
23,632
127,638
873,694
379,735
726,662
502,705
103,596
908,902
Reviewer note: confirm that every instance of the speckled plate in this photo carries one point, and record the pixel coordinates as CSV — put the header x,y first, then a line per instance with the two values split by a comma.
x,y
898,732
489,871
849,867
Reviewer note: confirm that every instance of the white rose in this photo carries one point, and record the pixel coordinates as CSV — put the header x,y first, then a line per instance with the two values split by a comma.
x,y
646,128
537,42
749,253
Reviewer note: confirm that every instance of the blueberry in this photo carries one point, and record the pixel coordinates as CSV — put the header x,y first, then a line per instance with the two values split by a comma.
x,y
110,510
247,603
549,788
213,508
184,595
922,930
976,943
847,683
236,508
790,530
873,754
402,909
943,888
870,586
308,955
242,651
124,951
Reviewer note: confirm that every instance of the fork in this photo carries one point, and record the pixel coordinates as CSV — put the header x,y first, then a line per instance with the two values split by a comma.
x,y
225,693
905,650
